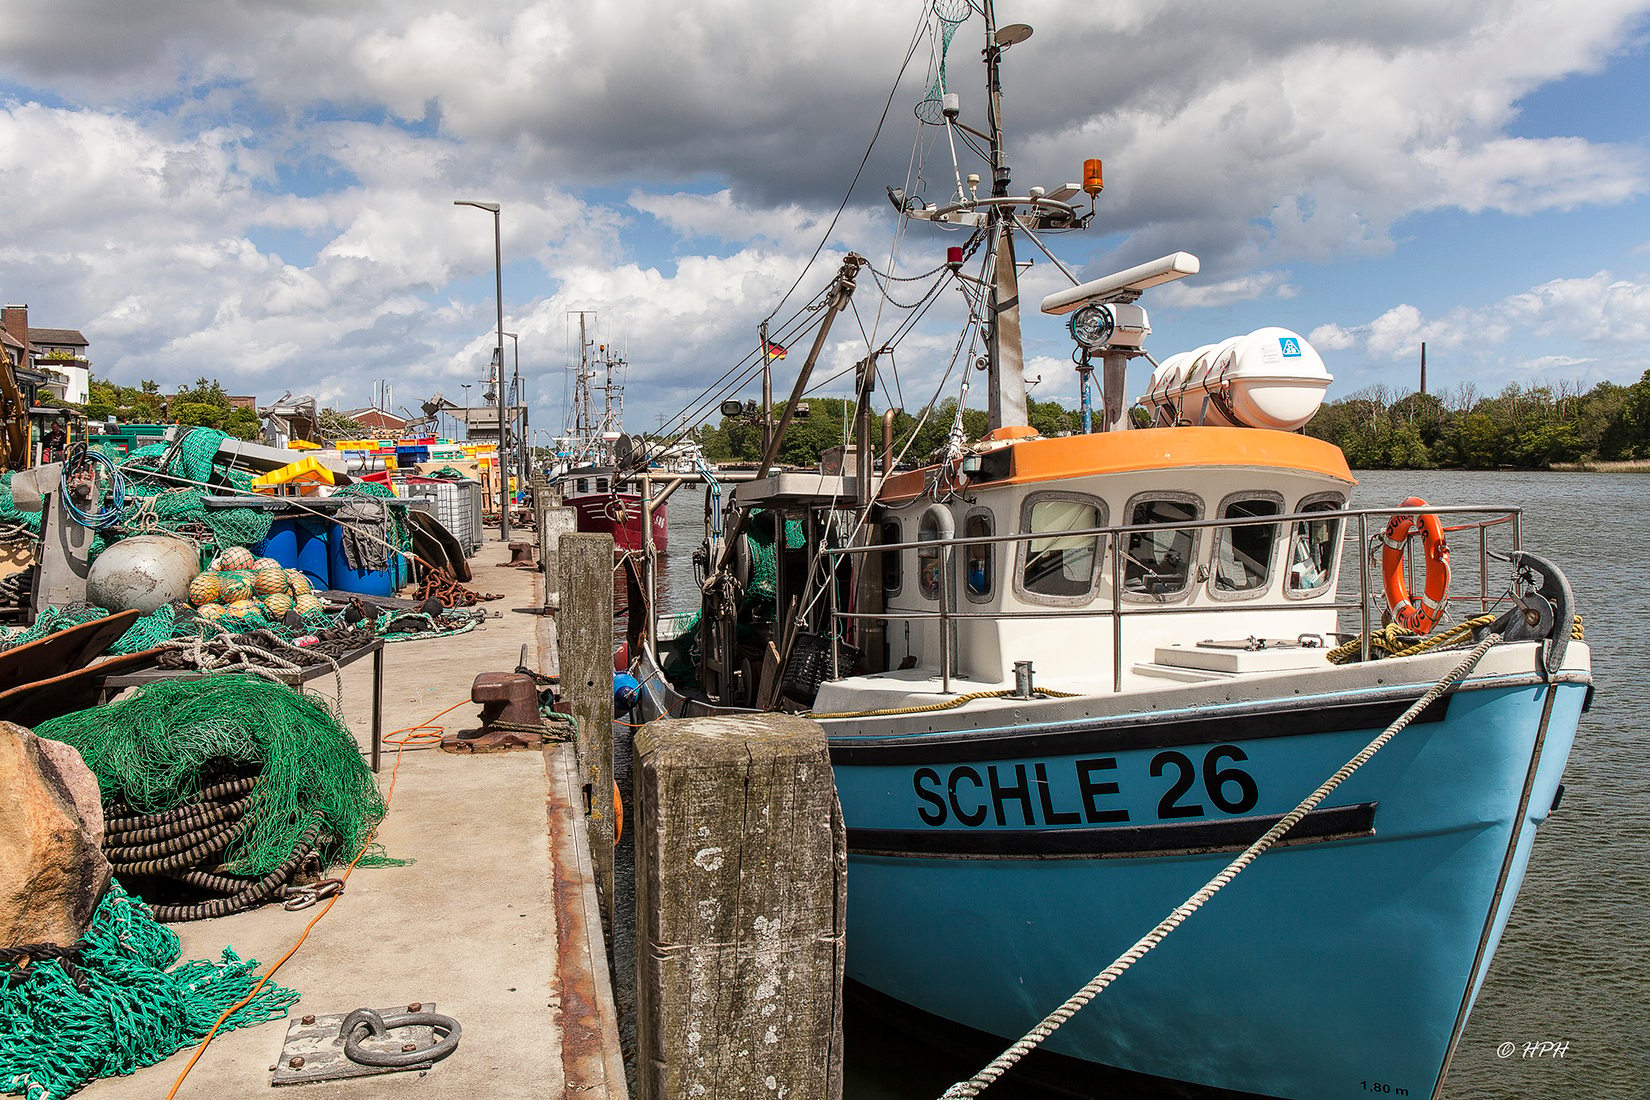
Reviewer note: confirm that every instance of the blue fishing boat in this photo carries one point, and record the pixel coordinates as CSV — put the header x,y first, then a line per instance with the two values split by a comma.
x,y
1150,744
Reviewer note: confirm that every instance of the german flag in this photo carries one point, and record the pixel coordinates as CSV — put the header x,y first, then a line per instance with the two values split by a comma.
x,y
775,351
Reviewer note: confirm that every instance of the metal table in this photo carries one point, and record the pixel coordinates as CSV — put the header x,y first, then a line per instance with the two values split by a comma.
x,y
296,679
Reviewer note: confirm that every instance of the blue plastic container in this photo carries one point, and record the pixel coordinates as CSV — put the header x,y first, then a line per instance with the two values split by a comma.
x,y
300,544
282,543
367,582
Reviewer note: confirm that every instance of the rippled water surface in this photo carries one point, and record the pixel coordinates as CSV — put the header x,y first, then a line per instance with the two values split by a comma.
x,y
1574,965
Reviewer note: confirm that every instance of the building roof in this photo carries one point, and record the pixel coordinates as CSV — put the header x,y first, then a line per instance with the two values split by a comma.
x,y
377,418
8,338
63,336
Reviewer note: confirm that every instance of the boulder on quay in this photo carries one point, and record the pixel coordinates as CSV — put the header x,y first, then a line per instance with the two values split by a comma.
x,y
52,869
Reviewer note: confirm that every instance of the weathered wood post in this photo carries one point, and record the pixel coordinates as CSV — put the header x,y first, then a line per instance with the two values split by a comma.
x,y
584,645
540,497
554,522
741,894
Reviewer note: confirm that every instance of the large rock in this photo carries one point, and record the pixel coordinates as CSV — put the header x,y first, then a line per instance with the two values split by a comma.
x,y
52,870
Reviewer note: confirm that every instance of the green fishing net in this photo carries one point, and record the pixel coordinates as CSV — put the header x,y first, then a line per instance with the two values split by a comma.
x,y
137,1010
156,503
164,624
397,534
153,747
761,589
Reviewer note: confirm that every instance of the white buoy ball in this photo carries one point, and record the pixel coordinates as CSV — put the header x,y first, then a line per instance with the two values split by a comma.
x,y
140,574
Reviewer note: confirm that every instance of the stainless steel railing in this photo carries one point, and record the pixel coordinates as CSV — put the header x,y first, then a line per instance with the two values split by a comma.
x,y
1117,608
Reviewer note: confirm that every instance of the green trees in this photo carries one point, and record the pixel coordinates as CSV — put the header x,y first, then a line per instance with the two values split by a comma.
x,y
139,404
1531,428
738,439
1376,427
205,404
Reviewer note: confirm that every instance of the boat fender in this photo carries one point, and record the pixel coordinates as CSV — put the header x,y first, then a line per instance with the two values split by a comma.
x,y
626,691
1420,616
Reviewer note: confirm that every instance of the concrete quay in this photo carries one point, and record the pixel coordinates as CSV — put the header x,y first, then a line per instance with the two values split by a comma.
x,y
496,922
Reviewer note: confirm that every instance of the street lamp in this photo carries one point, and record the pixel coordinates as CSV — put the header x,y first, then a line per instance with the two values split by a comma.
x,y
498,357
516,401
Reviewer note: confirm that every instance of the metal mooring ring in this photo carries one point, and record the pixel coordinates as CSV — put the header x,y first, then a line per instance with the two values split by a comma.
x,y
377,1025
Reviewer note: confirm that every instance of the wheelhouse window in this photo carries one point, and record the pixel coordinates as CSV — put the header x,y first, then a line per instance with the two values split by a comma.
x,y
1312,547
1055,565
929,559
893,573
978,558
1242,560
1158,563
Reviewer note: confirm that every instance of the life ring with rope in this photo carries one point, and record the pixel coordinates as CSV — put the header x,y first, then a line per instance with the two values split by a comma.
x,y
1420,615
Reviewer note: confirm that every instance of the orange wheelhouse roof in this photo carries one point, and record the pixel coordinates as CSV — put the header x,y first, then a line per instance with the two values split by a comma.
x,y
1075,456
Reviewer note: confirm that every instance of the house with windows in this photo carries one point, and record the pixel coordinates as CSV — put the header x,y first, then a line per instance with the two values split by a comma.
x,y
58,353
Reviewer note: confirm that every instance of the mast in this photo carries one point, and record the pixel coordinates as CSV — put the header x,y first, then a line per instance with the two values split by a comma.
x,y
1005,362
581,397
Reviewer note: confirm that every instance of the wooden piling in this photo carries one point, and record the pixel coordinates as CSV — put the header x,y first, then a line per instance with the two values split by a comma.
x,y
554,522
741,888
584,645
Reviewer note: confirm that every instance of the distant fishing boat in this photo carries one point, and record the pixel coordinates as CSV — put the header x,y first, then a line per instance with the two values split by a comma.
x,y
596,465
1066,681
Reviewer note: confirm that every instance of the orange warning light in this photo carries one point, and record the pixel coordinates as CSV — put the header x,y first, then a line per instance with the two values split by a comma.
x,y
1093,181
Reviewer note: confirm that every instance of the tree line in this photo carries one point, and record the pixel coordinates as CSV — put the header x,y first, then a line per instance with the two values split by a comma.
x,y
206,404
1377,427
1533,428
827,425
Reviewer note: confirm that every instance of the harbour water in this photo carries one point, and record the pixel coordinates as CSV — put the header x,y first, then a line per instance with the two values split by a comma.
x,y
1565,1011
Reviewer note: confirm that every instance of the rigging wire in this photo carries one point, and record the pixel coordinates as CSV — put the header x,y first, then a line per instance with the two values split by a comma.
x,y
911,51
751,365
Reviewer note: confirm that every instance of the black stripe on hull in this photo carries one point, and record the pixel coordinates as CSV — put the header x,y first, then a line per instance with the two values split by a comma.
x,y
885,1025
1112,842
1099,735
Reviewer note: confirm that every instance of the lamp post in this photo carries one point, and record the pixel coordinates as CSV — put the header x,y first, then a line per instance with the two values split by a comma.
x,y
498,357
518,401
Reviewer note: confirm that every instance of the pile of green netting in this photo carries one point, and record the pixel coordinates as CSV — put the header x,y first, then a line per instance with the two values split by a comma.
x,y
152,748
165,491
168,623
134,1012
160,626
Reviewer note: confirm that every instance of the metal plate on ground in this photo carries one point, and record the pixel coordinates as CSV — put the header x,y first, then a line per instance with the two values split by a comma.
x,y
321,1048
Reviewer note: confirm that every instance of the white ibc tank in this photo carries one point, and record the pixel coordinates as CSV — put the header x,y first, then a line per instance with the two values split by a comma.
x,y
141,574
1271,378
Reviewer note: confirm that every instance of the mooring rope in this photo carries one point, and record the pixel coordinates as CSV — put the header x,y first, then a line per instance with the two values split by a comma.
x,y
1052,1022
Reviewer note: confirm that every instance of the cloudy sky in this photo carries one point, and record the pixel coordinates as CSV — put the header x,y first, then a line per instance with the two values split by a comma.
x,y
262,190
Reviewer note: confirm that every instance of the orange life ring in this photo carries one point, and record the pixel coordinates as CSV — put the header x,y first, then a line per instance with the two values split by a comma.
x,y
1423,616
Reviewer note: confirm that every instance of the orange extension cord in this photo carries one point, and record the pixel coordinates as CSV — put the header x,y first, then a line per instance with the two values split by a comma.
x,y
425,733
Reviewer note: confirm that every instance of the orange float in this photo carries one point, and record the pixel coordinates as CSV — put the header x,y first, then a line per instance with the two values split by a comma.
x,y
1420,616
